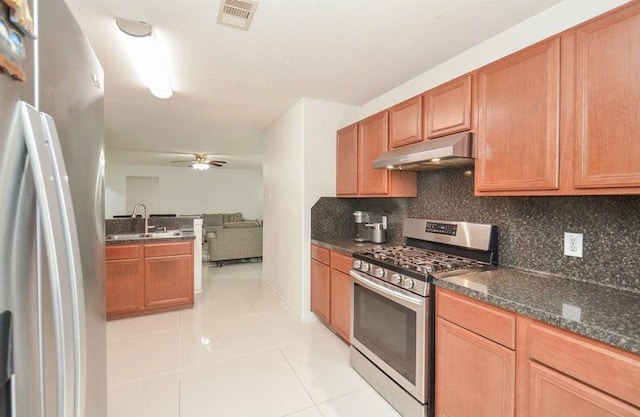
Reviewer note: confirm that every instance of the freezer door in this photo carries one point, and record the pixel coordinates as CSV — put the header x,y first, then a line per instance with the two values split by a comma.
x,y
52,224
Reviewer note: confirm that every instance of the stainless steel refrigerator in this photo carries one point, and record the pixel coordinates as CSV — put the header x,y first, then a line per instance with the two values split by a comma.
x,y
52,304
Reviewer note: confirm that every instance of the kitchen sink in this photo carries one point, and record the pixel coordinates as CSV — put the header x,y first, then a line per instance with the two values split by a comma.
x,y
135,236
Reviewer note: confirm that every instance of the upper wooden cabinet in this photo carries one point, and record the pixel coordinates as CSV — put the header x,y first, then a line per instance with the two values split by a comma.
x,y
355,167
372,142
448,108
405,123
347,157
607,96
518,121
593,147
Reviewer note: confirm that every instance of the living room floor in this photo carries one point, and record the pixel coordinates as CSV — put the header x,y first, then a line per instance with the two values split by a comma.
x,y
238,353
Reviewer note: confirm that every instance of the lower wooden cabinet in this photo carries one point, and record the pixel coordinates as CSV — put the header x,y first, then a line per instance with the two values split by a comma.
x,y
550,373
124,286
321,290
148,278
475,375
331,289
552,393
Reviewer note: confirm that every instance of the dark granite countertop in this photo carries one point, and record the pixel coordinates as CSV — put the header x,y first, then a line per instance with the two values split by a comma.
x,y
601,313
147,240
347,245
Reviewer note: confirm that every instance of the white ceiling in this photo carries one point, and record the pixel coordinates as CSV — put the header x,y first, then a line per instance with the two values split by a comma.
x,y
231,84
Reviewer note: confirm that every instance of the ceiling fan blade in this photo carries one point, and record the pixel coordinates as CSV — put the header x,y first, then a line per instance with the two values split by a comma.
x,y
214,163
218,162
183,160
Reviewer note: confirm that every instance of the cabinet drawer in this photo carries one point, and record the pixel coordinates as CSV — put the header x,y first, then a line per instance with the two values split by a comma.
x,y
167,249
320,254
487,321
116,252
341,262
594,363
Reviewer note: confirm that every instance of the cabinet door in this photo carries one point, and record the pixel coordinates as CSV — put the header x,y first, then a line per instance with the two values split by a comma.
x,y
168,281
321,290
518,121
474,376
124,279
124,285
554,394
347,161
607,125
341,303
373,140
405,122
447,108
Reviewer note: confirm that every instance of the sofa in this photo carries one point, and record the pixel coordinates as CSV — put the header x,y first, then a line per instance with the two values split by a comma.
x,y
234,239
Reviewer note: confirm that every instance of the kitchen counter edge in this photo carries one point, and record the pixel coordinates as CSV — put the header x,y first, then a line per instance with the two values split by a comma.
x,y
147,240
605,314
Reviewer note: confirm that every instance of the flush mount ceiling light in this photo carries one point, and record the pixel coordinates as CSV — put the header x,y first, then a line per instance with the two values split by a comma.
x,y
145,53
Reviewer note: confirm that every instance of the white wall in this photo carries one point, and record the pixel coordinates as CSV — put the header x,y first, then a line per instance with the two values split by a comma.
x,y
299,164
299,168
283,184
187,191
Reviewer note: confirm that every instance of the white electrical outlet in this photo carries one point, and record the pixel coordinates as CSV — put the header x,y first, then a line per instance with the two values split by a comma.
x,y
573,244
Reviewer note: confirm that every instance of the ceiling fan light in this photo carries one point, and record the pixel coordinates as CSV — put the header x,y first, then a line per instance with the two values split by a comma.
x,y
200,166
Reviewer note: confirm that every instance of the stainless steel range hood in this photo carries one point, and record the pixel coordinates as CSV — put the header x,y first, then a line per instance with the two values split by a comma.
x,y
445,152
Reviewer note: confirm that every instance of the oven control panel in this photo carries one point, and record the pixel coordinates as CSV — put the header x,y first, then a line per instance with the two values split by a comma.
x,y
395,278
441,228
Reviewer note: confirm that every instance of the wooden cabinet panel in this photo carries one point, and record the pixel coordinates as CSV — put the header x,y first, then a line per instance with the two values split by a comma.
x,y
153,250
607,121
168,281
321,290
487,321
347,161
373,140
447,108
340,262
474,376
553,394
115,252
405,123
596,364
124,284
518,121
341,303
321,254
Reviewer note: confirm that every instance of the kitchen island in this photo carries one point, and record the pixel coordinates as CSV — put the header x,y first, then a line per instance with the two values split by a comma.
x,y
148,275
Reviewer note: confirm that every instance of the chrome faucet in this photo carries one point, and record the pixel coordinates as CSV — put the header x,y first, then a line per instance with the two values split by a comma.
x,y
146,218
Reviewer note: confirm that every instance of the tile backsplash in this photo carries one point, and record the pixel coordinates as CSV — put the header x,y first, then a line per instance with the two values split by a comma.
x,y
531,229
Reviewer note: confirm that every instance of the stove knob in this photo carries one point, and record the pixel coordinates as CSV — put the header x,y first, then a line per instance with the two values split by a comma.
x,y
396,279
365,267
357,263
407,283
379,272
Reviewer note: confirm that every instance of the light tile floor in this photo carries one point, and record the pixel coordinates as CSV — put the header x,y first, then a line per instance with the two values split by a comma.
x,y
238,353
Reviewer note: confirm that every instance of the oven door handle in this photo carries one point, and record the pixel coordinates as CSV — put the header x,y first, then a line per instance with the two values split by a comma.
x,y
366,282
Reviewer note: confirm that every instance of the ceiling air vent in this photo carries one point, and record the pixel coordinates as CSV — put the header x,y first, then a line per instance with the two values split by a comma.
x,y
237,13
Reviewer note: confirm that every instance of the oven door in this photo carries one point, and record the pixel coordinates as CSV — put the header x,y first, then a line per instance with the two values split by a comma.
x,y
388,326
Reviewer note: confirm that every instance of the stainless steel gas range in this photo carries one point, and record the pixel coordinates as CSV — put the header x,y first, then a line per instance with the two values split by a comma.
x,y
392,316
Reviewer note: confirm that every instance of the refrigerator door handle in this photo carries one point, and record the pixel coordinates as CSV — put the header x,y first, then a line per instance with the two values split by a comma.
x,y
57,260
72,245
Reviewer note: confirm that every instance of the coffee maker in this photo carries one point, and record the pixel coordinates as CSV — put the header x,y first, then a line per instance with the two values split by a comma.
x,y
370,227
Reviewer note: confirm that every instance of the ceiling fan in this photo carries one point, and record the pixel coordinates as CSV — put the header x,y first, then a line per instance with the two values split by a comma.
x,y
201,162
